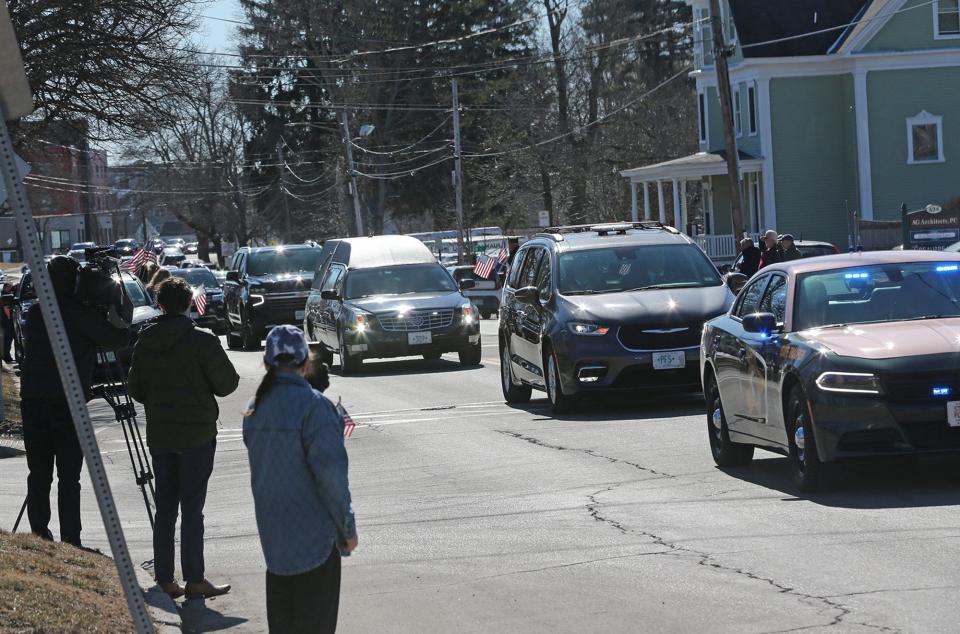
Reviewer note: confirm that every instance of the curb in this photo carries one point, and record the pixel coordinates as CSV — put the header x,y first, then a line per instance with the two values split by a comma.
x,y
162,608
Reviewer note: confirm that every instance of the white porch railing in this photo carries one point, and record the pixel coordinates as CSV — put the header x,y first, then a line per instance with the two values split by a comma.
x,y
721,247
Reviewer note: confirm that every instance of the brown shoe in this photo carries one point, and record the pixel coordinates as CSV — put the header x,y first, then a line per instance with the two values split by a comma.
x,y
174,589
205,590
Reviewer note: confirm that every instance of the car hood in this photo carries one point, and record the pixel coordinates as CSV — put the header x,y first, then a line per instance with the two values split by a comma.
x,y
661,307
283,282
396,303
890,339
145,313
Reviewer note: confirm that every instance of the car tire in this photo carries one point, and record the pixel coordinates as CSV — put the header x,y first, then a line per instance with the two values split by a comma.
x,y
560,403
511,393
432,356
809,473
251,341
472,356
726,453
234,342
349,364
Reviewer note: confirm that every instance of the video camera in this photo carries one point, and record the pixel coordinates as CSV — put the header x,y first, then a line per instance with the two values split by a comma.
x,y
96,284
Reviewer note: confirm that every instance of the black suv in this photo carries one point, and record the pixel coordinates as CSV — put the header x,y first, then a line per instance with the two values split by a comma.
x,y
606,307
267,287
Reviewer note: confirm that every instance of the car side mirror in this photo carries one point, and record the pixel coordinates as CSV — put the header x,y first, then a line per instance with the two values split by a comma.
x,y
332,296
466,285
233,276
735,281
528,295
760,323
725,268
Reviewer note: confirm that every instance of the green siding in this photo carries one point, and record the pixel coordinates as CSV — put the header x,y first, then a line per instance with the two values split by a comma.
x,y
895,96
721,205
747,143
909,30
715,121
815,161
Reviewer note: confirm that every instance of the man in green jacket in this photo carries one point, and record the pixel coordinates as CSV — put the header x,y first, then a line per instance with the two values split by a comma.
x,y
176,372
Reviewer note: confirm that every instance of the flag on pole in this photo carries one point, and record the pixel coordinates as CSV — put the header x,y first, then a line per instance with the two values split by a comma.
x,y
200,300
348,424
484,268
139,259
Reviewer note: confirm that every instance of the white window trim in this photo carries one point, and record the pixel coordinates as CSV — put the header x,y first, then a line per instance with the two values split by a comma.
x,y
705,117
936,25
925,118
754,125
737,113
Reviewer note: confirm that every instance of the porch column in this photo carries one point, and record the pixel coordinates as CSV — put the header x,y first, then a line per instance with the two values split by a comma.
x,y
663,208
676,204
634,212
646,201
684,206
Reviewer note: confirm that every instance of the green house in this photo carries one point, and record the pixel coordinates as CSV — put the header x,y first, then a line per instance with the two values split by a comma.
x,y
843,111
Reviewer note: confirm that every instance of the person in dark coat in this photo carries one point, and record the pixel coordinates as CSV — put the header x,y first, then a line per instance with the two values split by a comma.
x,y
750,263
771,250
48,432
789,249
177,372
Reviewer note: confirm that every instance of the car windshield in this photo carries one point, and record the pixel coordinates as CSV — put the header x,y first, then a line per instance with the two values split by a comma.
x,y
199,277
636,267
399,280
879,293
815,250
282,261
135,292
126,243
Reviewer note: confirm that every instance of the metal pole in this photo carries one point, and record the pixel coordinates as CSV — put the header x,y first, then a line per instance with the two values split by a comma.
x,y
283,186
729,135
73,390
352,172
458,171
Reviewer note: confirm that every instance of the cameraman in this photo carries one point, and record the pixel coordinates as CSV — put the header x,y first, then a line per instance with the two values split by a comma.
x,y
48,430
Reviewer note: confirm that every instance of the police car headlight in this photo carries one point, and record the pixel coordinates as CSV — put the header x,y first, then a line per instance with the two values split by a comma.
x,y
849,382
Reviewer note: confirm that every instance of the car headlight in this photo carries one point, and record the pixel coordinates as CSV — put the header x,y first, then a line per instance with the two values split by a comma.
x,y
468,316
849,382
257,300
588,330
360,322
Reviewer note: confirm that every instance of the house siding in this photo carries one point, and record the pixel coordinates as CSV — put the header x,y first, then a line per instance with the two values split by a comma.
x,y
815,169
894,97
909,30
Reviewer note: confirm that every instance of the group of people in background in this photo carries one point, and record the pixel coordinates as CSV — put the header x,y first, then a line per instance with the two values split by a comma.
x,y
292,432
773,248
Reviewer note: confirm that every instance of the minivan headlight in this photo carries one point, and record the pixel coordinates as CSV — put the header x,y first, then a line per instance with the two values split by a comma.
x,y
589,330
849,382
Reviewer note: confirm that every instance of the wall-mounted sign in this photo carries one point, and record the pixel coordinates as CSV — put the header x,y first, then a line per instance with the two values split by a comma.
x,y
930,228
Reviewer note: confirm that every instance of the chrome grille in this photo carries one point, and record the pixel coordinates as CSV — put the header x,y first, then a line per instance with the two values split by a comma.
x,y
662,338
418,320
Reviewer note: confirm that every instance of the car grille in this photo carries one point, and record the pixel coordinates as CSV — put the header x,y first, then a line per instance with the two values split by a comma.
x,y
419,320
287,301
644,377
918,386
660,338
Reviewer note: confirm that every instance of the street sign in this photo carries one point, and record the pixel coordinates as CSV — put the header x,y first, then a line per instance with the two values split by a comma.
x,y
15,98
23,168
544,218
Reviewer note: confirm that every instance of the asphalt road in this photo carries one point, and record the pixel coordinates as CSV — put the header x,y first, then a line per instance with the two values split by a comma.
x,y
478,517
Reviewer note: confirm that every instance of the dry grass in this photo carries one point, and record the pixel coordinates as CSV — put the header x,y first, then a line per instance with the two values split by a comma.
x,y
53,587
11,425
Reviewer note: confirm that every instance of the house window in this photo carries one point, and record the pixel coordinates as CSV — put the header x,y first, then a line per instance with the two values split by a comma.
x,y
752,108
947,18
737,119
59,240
925,138
702,116
705,37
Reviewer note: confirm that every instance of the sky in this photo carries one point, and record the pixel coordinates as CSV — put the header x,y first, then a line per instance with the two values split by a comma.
x,y
216,35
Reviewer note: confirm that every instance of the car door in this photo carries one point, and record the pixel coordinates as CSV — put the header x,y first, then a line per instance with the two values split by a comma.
x,y
731,360
509,306
329,309
526,338
764,385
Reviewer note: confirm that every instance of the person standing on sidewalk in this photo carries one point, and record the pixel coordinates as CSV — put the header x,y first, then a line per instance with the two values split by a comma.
x,y
298,472
48,432
176,372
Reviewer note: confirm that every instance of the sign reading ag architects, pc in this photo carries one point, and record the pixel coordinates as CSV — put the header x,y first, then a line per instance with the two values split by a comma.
x,y
931,228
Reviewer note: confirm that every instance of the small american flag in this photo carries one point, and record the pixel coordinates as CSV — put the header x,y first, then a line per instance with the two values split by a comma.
x,y
200,300
484,268
348,424
139,259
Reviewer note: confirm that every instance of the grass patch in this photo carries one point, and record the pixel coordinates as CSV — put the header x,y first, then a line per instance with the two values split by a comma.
x,y
53,587
12,424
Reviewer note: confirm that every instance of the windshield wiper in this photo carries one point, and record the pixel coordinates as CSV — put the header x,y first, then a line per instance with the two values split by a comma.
x,y
656,287
590,292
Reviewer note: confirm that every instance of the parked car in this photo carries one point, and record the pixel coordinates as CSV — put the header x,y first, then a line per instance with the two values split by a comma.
x,y
172,257
191,248
837,358
156,245
266,287
126,247
387,296
485,293
607,307
24,297
215,315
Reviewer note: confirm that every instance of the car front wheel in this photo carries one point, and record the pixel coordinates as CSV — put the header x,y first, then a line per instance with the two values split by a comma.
x,y
472,356
349,363
560,403
809,473
511,393
725,452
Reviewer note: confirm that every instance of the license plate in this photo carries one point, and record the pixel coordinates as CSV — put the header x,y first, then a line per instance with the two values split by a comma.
x,y
111,356
674,360
953,413
419,338
301,314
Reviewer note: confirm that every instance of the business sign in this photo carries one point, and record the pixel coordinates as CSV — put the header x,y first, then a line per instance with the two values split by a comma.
x,y
543,218
931,227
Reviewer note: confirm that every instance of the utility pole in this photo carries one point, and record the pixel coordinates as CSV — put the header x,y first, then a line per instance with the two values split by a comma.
x,y
458,173
720,54
352,172
283,187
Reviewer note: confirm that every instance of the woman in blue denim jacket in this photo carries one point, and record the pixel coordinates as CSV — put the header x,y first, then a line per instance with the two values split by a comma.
x,y
298,471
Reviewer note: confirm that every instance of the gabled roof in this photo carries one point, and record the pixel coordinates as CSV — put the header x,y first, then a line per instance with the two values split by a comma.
x,y
766,20
693,166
